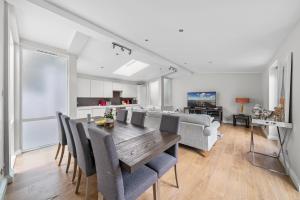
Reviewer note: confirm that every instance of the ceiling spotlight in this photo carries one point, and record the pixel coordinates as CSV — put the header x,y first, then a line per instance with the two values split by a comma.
x,y
181,30
146,40
101,67
210,62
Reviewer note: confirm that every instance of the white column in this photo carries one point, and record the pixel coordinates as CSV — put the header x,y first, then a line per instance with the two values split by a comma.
x,y
72,86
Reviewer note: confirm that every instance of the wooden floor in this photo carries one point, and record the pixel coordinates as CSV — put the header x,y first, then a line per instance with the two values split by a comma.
x,y
224,174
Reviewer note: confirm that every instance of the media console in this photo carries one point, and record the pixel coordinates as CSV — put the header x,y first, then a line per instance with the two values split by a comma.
x,y
216,112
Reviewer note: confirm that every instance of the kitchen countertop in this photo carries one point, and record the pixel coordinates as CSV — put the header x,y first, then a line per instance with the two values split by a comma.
x,y
110,106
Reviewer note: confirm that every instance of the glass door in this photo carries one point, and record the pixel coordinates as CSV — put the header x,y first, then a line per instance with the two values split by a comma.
x,y
44,92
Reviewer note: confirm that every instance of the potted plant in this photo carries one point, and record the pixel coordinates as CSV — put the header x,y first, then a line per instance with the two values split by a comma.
x,y
109,119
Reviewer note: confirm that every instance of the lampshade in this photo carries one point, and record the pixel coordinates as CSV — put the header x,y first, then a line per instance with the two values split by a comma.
x,y
242,100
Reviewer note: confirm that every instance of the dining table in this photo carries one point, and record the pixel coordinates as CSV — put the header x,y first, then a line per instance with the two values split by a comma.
x,y
135,145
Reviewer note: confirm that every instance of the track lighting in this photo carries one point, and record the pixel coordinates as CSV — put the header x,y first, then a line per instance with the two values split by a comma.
x,y
123,48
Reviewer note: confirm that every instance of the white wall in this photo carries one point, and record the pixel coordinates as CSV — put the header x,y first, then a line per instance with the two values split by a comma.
x,y
1,81
292,44
227,86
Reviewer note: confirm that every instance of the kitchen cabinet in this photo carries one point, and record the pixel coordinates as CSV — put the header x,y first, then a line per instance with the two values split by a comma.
x,y
129,91
104,89
118,86
96,88
107,89
83,87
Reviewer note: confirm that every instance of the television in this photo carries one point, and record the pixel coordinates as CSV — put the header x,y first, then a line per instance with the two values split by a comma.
x,y
202,99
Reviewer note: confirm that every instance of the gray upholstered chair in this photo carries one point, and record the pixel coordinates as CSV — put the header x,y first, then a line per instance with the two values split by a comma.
x,y
85,158
71,145
165,161
62,138
138,118
113,183
122,115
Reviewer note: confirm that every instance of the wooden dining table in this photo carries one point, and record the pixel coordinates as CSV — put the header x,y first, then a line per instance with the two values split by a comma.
x,y
136,145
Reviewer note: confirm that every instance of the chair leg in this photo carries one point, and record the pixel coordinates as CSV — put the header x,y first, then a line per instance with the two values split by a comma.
x,y
204,153
155,191
78,180
100,196
87,183
57,152
69,161
62,154
175,170
74,170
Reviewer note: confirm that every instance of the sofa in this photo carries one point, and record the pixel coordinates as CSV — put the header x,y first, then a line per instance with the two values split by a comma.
x,y
198,131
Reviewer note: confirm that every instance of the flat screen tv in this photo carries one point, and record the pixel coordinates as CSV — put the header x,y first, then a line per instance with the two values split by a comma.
x,y
202,99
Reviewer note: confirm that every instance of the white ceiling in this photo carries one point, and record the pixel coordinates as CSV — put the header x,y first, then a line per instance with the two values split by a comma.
x,y
237,36
42,26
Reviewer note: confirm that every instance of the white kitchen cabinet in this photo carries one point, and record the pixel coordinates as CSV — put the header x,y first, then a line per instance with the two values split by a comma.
x,y
118,86
142,95
96,88
83,87
125,91
97,112
107,89
132,90
82,113
129,91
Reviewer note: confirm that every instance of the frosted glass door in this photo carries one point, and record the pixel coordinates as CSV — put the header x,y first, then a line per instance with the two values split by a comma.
x,y
44,91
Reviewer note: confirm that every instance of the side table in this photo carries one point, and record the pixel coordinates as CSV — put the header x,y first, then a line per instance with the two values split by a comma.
x,y
278,125
242,117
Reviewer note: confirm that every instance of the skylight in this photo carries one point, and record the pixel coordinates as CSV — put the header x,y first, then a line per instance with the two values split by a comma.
x,y
131,68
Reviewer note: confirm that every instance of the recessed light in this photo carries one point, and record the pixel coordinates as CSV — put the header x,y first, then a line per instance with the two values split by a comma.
x,y
117,54
210,62
181,30
101,67
146,40
185,63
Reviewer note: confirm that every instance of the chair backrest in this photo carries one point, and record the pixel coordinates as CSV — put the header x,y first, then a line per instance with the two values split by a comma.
x,y
70,140
170,124
138,118
122,115
109,174
61,131
84,152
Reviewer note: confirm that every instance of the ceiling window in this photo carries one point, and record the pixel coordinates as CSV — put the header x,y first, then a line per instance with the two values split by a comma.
x,y
131,68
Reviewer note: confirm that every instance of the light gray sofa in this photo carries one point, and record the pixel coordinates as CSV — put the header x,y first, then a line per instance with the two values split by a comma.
x,y
198,131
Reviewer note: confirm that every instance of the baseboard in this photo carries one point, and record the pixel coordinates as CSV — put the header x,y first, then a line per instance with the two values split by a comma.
x,y
3,185
295,179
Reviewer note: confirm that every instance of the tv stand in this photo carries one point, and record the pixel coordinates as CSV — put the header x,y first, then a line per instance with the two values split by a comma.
x,y
216,112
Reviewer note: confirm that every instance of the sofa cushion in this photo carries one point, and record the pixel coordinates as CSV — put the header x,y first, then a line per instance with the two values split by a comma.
x,y
202,119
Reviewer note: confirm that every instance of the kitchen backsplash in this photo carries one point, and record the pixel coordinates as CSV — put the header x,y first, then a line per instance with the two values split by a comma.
x,y
90,101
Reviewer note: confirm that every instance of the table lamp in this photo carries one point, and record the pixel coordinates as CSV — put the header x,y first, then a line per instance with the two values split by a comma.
x,y
242,101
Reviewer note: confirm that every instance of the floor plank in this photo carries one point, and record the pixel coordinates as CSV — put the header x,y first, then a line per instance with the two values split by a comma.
x,y
224,174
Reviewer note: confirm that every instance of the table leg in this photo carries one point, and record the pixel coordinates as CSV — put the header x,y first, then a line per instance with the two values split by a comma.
x,y
281,146
253,152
